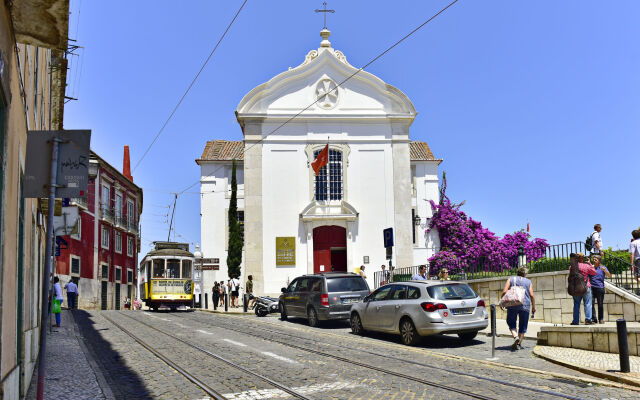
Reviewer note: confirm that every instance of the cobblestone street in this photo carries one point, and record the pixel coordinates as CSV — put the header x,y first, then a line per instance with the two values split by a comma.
x,y
245,357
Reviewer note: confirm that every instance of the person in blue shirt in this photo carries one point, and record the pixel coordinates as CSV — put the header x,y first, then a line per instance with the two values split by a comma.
x,y
421,275
597,288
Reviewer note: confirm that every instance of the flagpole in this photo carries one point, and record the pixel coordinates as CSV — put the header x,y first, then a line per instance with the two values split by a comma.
x,y
328,174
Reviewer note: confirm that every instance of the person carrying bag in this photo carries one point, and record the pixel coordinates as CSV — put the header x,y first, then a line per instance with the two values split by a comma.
x,y
519,300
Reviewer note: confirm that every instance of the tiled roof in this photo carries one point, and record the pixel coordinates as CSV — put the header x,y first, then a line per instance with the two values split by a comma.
x,y
220,150
225,150
420,151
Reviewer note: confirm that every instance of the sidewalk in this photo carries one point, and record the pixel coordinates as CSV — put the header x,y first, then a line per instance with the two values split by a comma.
x,y
71,372
602,365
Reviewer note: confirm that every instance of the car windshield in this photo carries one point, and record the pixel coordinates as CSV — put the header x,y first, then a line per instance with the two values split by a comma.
x,y
346,284
451,291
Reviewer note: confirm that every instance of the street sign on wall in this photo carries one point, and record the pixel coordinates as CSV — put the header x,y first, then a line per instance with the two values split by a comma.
x,y
73,163
388,237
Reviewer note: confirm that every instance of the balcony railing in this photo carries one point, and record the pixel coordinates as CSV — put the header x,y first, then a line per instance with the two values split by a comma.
x,y
80,201
106,214
132,225
118,220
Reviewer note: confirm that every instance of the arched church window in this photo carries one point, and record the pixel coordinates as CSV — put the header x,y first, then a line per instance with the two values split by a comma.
x,y
328,185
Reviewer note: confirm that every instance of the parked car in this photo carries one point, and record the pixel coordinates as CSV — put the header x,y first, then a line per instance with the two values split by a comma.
x,y
420,308
321,297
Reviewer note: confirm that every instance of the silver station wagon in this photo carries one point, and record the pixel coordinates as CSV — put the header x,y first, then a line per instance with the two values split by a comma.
x,y
421,308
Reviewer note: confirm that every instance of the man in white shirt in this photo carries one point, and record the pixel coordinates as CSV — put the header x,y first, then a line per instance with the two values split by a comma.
x,y
234,284
596,240
634,253
72,294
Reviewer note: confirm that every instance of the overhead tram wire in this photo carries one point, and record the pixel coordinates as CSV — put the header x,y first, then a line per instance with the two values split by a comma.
x,y
190,86
334,89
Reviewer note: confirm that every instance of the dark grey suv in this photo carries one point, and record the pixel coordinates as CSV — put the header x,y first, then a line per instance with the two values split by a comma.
x,y
321,297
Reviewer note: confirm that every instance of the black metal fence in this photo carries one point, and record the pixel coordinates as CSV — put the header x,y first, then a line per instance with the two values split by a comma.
x,y
553,258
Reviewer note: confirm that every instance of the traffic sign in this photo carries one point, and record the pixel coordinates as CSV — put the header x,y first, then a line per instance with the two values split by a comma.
x,y
388,237
200,261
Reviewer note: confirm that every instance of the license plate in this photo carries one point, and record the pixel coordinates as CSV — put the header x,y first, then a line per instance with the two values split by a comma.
x,y
461,311
351,300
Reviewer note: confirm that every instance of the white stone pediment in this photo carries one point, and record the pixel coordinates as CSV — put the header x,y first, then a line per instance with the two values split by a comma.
x,y
292,91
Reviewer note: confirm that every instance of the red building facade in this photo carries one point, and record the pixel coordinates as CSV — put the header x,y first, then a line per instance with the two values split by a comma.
x,y
102,257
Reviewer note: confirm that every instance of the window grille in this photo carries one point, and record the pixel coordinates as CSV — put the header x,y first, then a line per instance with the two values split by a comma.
x,y
118,242
329,187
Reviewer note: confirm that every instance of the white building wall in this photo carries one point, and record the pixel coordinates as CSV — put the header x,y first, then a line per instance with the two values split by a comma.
x,y
426,187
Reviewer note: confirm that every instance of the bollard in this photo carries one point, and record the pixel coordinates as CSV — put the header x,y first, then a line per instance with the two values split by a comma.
x,y
226,302
245,300
206,301
623,345
494,333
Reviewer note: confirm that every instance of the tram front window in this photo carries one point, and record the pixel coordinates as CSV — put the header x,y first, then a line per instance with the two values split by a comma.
x,y
173,268
186,268
158,268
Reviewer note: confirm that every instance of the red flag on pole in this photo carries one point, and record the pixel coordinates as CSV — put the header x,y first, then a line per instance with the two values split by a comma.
x,y
321,160
527,226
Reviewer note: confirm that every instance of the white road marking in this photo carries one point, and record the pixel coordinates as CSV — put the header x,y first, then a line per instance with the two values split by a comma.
x,y
277,357
234,342
180,325
205,332
278,394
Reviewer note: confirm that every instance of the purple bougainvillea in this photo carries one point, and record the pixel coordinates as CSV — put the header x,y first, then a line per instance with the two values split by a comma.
x,y
466,246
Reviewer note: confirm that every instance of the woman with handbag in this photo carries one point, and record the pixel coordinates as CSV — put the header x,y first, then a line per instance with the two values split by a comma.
x,y
518,298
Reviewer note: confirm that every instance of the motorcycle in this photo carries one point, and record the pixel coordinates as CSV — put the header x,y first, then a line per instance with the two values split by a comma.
x,y
264,305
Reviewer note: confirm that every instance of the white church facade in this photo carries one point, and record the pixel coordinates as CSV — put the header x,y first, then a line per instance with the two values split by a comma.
x,y
296,222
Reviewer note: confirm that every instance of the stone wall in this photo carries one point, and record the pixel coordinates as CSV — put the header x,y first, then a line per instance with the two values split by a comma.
x,y
553,303
592,338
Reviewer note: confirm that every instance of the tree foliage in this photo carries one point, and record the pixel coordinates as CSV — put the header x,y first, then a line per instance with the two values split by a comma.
x,y
234,254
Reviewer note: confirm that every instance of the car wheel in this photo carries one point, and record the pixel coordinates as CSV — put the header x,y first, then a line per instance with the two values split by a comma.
x,y
356,324
408,331
154,308
467,336
312,317
283,312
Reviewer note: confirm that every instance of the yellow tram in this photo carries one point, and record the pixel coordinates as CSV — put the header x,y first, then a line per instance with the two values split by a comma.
x,y
166,276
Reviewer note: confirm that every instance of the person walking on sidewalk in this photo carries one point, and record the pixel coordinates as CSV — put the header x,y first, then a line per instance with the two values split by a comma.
x,y
586,270
520,312
421,275
597,289
234,285
215,294
223,292
634,252
57,300
72,294
249,290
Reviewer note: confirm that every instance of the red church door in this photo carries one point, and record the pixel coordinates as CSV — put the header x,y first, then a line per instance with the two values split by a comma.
x,y
329,249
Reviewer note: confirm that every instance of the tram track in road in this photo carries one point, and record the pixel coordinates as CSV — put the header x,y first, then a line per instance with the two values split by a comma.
x,y
210,391
404,360
352,362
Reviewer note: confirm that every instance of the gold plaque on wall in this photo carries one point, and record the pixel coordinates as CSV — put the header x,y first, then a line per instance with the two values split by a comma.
x,y
285,251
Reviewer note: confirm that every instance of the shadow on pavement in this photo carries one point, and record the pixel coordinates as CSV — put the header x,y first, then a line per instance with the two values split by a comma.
x,y
324,325
123,381
430,342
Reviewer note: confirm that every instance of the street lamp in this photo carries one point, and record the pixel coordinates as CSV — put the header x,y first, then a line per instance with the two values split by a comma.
x,y
522,257
416,220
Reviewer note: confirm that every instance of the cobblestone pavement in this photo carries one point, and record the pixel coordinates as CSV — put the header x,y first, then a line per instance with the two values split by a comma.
x,y
281,351
606,362
334,338
69,373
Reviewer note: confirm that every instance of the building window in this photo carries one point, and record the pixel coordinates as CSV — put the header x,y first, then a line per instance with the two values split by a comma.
x,y
105,237
329,187
129,275
118,242
129,246
78,234
118,274
118,209
75,265
105,202
131,217
105,271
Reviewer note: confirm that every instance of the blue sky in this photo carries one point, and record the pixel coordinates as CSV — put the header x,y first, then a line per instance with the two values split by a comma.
x,y
533,105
